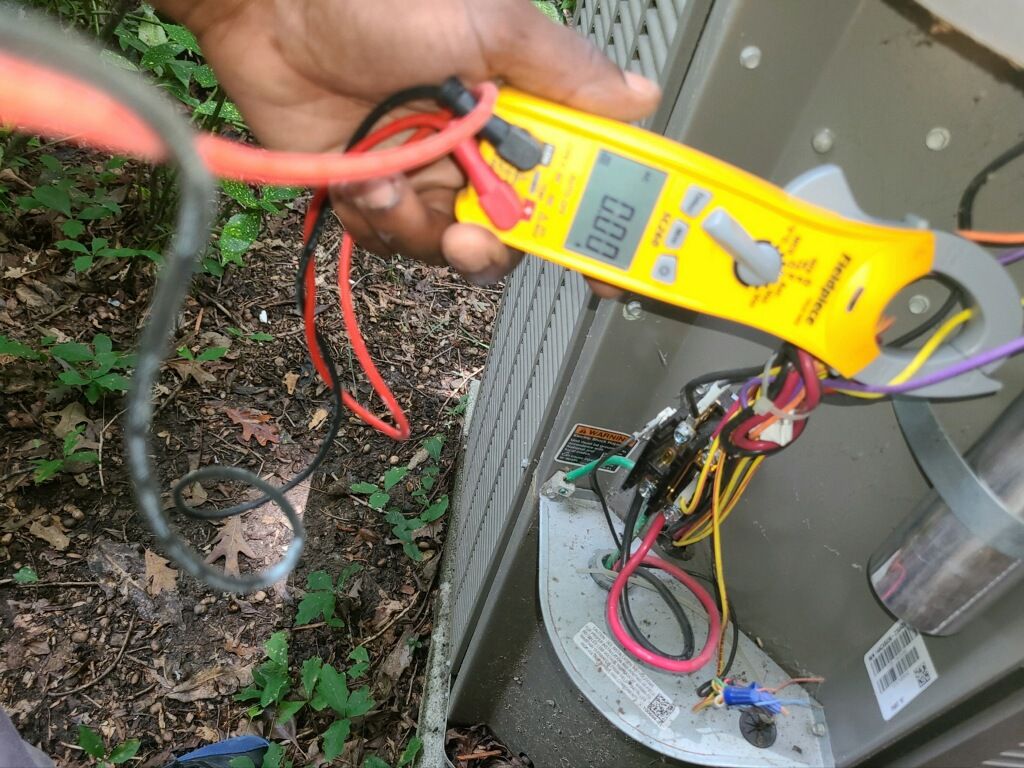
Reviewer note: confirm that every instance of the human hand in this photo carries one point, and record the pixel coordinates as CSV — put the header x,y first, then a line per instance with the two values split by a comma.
x,y
305,74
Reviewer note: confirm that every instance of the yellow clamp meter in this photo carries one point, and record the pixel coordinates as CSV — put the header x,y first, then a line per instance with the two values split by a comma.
x,y
651,216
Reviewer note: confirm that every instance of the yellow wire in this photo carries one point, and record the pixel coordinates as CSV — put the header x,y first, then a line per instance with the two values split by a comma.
x,y
689,507
719,571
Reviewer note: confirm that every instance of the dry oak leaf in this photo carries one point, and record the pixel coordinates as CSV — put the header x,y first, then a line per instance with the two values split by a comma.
x,y
230,544
318,418
289,381
192,369
254,424
159,576
51,534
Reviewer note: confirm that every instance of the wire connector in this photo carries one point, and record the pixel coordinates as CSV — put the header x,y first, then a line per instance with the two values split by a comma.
x,y
557,487
513,144
752,695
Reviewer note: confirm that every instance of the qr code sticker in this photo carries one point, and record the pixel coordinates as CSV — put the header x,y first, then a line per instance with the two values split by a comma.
x,y
922,675
660,708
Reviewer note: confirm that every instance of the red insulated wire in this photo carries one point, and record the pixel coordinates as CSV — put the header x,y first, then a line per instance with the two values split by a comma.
x,y
423,126
640,557
739,435
812,384
35,98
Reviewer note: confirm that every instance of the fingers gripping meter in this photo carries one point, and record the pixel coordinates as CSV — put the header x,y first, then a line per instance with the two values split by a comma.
x,y
651,216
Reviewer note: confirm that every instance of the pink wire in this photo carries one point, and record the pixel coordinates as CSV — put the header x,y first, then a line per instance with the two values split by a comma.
x,y
678,666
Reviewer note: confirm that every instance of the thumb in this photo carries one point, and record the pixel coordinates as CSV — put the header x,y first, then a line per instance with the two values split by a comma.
x,y
530,52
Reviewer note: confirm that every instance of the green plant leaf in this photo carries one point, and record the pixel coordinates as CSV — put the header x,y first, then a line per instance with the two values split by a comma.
x,y
277,648
313,605
102,343
393,476
114,382
241,761
319,580
273,756
241,193
372,761
427,483
204,75
333,688
409,753
83,457
280,194
335,737
361,657
433,446
363,488
359,702
347,573
260,336
91,742
435,510
378,500
72,352
412,551
395,518
159,55
286,710
275,684
25,575
124,752
46,469
95,212
311,673
71,245
50,163
12,348
54,198
73,378
238,235
182,37
212,353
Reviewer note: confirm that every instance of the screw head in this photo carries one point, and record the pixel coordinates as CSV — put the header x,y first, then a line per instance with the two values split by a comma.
x,y
937,139
919,304
823,141
750,57
683,433
524,463
646,489
633,310
818,729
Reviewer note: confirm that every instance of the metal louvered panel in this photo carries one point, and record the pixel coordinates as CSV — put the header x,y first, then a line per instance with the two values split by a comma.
x,y
1011,758
637,34
536,323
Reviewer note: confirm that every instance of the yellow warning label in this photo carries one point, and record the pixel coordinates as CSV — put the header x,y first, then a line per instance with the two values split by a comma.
x,y
586,443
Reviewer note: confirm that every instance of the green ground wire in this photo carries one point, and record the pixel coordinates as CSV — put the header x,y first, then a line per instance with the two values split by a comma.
x,y
612,461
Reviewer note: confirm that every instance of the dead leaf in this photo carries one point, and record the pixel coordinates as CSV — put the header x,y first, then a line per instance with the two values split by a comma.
x,y
230,543
391,670
418,458
159,576
28,297
70,417
289,381
385,610
195,495
19,420
211,683
254,424
192,369
14,273
51,534
318,418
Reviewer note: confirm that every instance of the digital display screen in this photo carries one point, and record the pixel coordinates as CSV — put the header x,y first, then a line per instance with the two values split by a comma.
x,y
615,209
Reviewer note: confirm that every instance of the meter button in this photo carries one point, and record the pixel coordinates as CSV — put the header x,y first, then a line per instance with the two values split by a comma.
x,y
665,269
757,263
695,201
676,234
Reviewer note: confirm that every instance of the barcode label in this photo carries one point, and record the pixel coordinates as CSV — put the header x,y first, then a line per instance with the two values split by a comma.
x,y
899,667
627,675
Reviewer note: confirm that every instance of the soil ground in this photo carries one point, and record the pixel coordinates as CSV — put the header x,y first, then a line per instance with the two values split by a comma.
x,y
108,636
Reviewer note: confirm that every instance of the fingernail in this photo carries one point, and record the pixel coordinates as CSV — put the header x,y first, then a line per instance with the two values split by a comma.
x,y
374,195
641,84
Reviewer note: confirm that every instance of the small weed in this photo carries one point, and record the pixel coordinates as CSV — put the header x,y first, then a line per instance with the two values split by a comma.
x,y
93,745
321,596
25,575
404,527
12,348
238,333
94,369
71,458
208,355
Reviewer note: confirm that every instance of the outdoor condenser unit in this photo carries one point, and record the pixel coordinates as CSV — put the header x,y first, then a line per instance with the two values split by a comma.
x,y
910,108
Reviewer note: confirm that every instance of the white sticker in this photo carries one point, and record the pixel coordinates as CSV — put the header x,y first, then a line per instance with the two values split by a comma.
x,y
627,675
899,667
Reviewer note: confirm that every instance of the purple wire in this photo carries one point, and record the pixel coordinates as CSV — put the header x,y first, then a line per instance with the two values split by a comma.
x,y
1011,257
964,366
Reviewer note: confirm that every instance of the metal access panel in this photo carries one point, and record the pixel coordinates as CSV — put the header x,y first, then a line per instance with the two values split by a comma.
x,y
776,88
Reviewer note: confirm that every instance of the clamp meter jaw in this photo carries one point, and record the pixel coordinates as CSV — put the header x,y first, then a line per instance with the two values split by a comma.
x,y
657,218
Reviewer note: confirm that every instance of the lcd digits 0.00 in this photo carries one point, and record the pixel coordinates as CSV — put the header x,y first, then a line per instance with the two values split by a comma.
x,y
615,209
